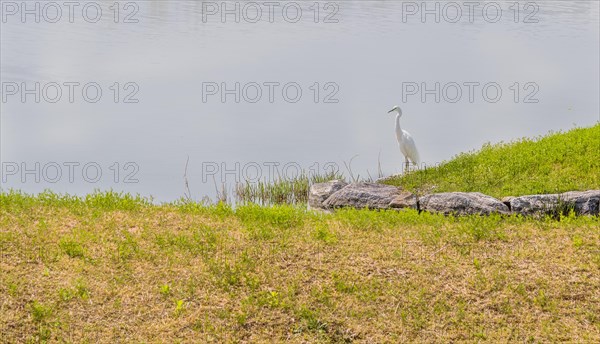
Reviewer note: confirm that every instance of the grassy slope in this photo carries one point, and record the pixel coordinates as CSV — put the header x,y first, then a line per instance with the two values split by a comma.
x,y
115,269
551,164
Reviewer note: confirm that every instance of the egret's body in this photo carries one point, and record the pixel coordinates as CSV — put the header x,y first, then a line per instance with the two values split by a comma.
x,y
405,141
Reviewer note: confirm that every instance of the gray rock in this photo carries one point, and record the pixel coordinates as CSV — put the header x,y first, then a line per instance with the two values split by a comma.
x,y
321,191
462,203
338,194
583,202
367,195
534,204
404,200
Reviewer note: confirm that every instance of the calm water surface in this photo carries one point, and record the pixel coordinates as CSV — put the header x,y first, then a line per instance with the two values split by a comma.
x,y
351,66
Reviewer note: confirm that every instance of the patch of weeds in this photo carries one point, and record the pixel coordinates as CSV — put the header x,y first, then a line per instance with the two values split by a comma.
x,y
543,301
165,290
364,220
278,216
227,275
461,311
223,313
117,303
441,307
415,309
126,248
321,232
271,299
343,284
476,264
179,307
577,241
206,325
82,290
310,320
431,235
252,282
79,290
13,287
592,317
482,228
285,190
111,200
241,318
261,232
375,221
499,281
371,289
480,334
202,241
66,294
42,335
246,261
520,289
505,307
321,295
72,248
40,312
220,210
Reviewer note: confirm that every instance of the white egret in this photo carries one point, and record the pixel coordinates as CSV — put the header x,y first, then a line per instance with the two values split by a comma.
x,y
405,141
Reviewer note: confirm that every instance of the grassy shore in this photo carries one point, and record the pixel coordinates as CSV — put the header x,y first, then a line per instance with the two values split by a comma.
x,y
553,163
115,268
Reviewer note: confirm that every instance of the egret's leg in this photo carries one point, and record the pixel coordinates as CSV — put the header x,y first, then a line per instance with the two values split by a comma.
x,y
406,164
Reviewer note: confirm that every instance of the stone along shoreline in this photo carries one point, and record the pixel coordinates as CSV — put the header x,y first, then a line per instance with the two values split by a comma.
x,y
338,194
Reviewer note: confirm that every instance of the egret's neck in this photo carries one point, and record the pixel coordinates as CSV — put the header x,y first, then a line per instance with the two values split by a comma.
x,y
398,128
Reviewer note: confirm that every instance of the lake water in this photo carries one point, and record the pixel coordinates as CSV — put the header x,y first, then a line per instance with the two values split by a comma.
x,y
313,83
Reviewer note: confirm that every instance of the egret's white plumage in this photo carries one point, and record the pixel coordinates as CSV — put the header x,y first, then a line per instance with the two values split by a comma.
x,y
405,141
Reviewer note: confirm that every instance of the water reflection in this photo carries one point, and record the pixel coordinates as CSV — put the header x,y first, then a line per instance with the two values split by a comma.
x,y
370,53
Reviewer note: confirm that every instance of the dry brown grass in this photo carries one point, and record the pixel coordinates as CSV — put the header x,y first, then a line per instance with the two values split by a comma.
x,y
167,274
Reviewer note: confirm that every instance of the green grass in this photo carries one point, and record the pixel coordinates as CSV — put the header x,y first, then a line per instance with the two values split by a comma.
x,y
554,163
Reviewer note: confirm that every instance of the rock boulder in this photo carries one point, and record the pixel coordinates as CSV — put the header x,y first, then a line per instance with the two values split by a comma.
x,y
319,192
371,196
462,203
583,202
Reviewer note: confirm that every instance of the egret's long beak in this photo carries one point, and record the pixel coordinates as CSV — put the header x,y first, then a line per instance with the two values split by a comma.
x,y
392,110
